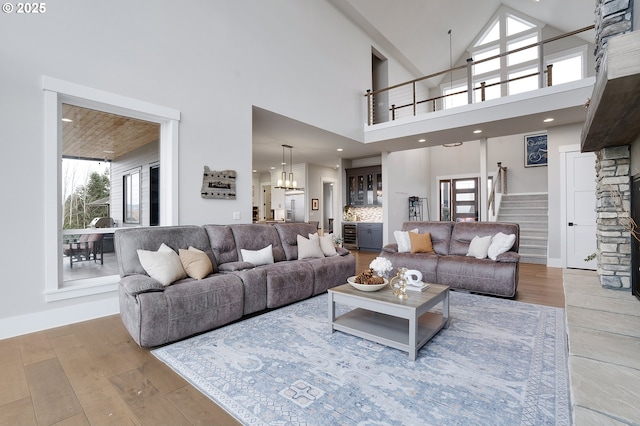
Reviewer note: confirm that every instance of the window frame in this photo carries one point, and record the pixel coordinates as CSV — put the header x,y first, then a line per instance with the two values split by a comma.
x,y
57,92
129,178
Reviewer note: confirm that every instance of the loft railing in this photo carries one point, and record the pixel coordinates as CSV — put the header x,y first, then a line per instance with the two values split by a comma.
x,y
499,187
409,95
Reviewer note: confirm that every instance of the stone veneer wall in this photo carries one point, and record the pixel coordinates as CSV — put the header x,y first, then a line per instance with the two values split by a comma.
x,y
613,192
613,205
613,17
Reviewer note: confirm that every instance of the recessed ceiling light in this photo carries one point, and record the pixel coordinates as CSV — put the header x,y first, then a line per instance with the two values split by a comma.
x,y
272,168
548,120
67,120
477,131
255,171
339,149
108,151
422,140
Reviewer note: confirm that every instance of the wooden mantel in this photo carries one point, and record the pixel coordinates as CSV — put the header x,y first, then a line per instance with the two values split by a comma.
x,y
613,117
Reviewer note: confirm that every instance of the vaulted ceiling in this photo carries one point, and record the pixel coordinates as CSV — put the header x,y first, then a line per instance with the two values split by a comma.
x,y
416,33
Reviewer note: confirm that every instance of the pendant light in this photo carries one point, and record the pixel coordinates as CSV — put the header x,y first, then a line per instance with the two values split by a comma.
x,y
283,177
292,181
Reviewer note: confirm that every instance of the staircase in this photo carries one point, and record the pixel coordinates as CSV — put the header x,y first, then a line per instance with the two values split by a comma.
x,y
530,211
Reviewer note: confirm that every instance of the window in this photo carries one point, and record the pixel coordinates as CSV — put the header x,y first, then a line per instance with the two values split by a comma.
x,y
456,100
131,202
567,66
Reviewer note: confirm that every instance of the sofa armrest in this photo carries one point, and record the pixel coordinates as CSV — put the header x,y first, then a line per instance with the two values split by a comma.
x,y
390,248
138,283
342,251
235,266
508,257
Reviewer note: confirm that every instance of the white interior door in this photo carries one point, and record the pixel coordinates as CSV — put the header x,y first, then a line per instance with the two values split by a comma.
x,y
581,209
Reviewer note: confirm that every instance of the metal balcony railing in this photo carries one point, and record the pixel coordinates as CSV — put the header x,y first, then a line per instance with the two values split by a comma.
x,y
412,97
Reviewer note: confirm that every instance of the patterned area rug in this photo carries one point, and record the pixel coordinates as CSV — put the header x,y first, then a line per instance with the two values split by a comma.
x,y
500,362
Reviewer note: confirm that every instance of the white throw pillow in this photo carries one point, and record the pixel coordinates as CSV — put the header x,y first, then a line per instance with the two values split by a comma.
x,y
309,248
403,240
479,247
258,257
163,265
326,244
500,243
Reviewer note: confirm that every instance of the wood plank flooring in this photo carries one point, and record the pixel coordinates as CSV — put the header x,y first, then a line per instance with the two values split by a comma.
x,y
94,373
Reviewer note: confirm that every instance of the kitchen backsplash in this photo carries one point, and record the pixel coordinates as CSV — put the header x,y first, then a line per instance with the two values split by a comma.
x,y
365,214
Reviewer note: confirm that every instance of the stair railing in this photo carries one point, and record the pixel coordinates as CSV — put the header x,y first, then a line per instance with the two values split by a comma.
x,y
498,189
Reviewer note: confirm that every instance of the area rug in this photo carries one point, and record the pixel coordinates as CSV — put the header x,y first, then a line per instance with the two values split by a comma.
x,y
500,362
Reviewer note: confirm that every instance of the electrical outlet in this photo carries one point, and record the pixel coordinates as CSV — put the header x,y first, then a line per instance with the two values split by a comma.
x,y
236,215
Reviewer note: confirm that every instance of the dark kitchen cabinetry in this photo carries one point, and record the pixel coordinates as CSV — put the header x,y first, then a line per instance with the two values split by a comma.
x,y
364,186
370,236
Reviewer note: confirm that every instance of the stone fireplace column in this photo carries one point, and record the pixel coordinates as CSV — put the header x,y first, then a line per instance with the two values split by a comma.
x,y
613,207
613,191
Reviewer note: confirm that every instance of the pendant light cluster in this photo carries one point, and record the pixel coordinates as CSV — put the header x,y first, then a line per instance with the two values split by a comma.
x,y
287,182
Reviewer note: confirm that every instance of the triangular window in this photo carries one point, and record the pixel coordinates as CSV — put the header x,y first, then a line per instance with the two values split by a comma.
x,y
492,34
517,25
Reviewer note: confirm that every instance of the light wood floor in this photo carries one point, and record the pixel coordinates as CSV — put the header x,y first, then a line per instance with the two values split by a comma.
x,y
94,373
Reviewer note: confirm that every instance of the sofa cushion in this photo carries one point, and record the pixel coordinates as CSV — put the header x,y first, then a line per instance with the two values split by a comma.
x,y
162,265
464,232
236,266
253,236
195,262
478,275
500,243
289,232
128,240
421,243
479,246
403,240
440,233
223,246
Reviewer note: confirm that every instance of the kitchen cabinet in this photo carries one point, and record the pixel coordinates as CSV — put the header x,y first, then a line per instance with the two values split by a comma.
x,y
369,236
364,186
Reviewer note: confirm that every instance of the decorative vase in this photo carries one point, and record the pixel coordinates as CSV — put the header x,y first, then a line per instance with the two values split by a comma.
x,y
399,284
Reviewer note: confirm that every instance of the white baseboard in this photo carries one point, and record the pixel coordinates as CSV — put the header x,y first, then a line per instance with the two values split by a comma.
x,y
555,262
38,321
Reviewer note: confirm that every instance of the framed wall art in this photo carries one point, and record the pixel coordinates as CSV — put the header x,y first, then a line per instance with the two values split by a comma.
x,y
315,204
535,150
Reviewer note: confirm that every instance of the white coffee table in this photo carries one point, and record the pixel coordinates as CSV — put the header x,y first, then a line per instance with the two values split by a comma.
x,y
383,318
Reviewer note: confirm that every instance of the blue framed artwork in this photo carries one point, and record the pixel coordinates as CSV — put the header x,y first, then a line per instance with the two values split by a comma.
x,y
535,150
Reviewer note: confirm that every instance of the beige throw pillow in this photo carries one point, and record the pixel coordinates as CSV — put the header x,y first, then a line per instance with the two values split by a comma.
x,y
195,262
163,265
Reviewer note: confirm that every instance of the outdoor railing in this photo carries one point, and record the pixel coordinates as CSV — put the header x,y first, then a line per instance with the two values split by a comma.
x,y
407,95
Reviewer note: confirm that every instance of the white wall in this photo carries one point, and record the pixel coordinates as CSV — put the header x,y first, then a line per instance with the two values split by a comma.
x,y
510,151
212,61
404,174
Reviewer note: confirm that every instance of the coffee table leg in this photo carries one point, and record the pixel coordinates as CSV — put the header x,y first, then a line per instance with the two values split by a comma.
x,y
413,333
332,311
445,309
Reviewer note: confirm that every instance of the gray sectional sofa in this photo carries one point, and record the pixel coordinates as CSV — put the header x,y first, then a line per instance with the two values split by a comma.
x,y
450,264
155,314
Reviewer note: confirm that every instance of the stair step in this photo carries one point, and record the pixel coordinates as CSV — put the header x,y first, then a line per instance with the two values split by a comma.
x,y
524,204
523,218
533,240
529,250
542,260
525,197
523,210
